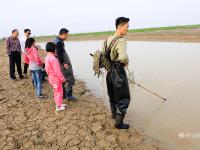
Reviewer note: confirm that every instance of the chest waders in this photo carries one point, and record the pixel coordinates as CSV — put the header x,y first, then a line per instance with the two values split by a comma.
x,y
117,88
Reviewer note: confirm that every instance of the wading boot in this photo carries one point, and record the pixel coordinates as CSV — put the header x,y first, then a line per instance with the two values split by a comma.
x,y
113,111
119,122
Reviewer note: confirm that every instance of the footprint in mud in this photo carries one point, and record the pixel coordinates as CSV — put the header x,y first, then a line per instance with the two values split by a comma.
x,y
2,90
2,98
82,93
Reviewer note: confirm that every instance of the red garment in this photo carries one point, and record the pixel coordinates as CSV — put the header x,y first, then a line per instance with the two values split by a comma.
x,y
55,77
31,55
25,59
57,89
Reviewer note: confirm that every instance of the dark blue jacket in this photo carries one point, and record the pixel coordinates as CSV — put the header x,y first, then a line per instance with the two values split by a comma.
x,y
63,58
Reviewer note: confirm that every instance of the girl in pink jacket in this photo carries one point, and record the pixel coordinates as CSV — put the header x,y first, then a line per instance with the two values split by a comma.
x,y
55,76
31,57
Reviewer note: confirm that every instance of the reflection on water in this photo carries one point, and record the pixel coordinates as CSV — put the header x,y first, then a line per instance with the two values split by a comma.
x,y
170,69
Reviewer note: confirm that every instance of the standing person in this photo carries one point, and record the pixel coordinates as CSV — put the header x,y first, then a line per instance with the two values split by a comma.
x,y
27,33
55,75
117,84
65,64
14,52
35,65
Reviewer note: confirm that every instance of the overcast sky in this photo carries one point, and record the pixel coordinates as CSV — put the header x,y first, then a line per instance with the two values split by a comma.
x,y
48,16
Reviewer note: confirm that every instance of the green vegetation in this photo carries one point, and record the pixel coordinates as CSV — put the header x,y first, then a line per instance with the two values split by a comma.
x,y
166,28
41,38
141,30
106,33
94,33
1,41
144,30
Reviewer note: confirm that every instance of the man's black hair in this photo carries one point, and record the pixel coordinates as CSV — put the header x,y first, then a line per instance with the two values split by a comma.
x,y
29,42
15,30
63,31
50,47
121,21
27,30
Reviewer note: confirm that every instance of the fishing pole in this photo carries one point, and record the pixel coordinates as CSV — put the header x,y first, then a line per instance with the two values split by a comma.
x,y
139,85
147,90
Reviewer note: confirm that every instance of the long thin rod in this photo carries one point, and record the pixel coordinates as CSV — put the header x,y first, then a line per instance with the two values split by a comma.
x,y
147,90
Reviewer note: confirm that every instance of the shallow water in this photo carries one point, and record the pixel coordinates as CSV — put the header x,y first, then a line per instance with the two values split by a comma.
x,y
170,69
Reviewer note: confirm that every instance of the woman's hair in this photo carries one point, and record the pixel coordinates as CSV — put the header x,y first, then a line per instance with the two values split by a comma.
x,y
29,42
50,47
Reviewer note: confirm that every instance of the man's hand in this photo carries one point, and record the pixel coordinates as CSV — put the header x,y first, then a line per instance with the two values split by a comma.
x,y
8,53
64,81
126,64
66,66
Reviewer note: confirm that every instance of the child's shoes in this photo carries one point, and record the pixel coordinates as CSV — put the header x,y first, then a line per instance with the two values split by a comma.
x,y
63,105
60,108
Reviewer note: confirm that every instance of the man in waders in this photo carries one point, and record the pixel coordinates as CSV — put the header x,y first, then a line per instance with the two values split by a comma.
x,y
117,83
65,64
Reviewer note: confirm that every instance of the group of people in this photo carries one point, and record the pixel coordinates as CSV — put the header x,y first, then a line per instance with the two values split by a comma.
x,y
58,67
57,64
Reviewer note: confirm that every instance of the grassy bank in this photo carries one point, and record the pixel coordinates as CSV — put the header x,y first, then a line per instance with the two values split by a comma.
x,y
186,33
143,30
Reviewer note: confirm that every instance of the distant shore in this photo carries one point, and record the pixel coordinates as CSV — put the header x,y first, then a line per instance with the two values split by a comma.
x,y
189,33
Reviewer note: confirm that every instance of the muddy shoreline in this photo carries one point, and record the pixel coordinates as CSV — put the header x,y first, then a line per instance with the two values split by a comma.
x,y
28,123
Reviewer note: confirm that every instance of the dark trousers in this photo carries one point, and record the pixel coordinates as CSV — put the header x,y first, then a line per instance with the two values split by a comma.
x,y
25,68
15,58
67,89
118,89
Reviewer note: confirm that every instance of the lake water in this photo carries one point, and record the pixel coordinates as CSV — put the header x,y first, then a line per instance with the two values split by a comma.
x,y
170,69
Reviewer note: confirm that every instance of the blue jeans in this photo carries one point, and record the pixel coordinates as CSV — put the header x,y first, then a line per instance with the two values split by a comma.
x,y
37,80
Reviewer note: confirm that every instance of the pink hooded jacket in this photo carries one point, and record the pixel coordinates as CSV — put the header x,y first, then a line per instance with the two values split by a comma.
x,y
52,68
31,57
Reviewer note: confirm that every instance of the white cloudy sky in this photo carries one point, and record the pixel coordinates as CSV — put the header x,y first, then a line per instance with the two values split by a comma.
x,y
48,16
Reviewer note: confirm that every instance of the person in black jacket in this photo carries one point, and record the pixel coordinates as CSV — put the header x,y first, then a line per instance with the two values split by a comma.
x,y
65,64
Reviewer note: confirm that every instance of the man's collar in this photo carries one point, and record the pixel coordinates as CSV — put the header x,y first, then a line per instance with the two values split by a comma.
x,y
116,35
14,38
59,38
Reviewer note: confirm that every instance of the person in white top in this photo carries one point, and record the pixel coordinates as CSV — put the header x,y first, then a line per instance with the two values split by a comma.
x,y
27,34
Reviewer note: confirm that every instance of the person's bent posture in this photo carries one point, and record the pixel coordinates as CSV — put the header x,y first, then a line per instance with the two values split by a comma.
x,y
117,83
31,55
65,64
